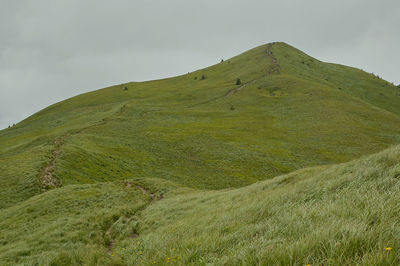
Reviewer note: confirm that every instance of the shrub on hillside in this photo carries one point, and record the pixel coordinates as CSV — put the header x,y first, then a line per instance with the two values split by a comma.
x,y
202,77
238,82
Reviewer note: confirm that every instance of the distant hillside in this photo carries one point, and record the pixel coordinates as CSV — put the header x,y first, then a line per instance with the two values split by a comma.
x,y
84,176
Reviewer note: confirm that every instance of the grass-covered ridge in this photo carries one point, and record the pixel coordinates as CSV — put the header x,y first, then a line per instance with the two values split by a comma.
x,y
90,170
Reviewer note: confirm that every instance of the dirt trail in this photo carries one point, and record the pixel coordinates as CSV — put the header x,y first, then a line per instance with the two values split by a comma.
x,y
134,234
228,93
46,178
112,241
275,68
153,196
145,191
233,91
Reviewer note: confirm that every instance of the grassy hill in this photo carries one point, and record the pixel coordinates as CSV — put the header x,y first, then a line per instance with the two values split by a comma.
x,y
81,180
345,214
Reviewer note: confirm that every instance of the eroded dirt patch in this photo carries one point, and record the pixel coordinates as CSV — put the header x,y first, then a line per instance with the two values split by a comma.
x,y
47,178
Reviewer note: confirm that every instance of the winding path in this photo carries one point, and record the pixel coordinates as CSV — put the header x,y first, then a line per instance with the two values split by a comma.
x,y
47,179
135,234
275,68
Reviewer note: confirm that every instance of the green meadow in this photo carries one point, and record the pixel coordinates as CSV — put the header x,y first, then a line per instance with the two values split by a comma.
x,y
294,164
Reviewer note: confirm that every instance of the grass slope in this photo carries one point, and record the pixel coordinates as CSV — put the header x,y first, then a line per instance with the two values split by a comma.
x,y
71,223
344,214
196,139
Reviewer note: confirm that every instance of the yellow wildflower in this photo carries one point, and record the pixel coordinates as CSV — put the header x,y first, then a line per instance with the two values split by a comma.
x,y
388,249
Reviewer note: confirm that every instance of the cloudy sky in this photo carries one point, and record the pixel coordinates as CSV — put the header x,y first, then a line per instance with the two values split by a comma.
x,y
51,50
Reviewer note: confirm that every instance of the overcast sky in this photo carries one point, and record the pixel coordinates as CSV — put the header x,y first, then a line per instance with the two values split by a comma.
x,y
51,50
